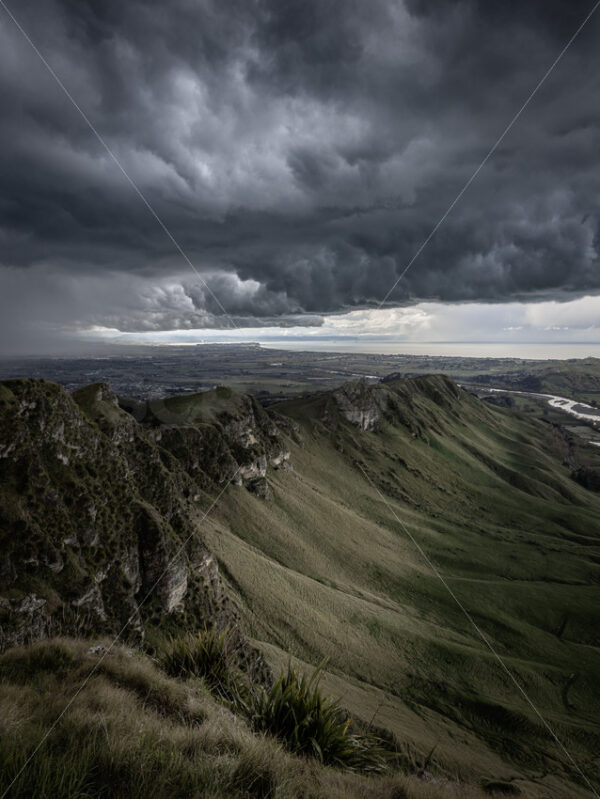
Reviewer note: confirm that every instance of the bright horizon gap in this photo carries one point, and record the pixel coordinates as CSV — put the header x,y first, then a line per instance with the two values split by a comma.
x,y
482,329
478,329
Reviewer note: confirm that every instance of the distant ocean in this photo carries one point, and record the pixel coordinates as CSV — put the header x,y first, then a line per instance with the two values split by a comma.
x,y
465,349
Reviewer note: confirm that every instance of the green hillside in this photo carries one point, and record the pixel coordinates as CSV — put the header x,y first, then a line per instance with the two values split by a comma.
x,y
434,548
327,569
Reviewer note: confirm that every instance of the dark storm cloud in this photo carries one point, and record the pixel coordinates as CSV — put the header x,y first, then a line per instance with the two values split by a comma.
x,y
299,152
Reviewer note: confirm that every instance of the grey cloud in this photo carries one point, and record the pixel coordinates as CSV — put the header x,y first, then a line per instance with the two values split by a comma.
x,y
300,152
58,303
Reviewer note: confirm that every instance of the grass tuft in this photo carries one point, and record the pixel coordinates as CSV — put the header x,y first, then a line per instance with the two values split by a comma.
x,y
211,656
294,709
309,723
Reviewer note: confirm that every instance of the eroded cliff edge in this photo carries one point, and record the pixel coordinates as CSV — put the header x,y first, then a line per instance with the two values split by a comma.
x,y
101,507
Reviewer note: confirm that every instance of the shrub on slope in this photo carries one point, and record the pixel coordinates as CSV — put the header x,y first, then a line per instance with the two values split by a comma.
x,y
309,723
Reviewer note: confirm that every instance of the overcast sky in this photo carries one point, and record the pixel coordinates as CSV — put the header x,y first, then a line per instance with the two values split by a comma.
x,y
299,151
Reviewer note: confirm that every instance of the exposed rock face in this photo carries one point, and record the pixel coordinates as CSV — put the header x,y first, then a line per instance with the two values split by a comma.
x,y
396,400
360,404
29,618
98,510
175,584
217,435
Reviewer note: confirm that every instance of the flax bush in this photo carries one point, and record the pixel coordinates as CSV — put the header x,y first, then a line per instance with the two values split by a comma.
x,y
309,723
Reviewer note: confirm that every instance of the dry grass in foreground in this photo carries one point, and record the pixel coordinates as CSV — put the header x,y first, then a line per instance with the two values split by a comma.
x,y
135,732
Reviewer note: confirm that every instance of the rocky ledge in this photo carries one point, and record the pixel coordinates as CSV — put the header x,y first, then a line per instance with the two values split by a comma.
x,y
407,402
217,435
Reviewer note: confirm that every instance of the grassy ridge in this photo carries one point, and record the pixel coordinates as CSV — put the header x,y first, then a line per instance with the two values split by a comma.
x,y
326,570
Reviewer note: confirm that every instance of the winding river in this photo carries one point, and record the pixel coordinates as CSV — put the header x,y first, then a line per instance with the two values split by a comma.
x,y
580,410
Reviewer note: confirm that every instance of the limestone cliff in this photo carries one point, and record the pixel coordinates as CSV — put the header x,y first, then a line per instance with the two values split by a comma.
x,y
217,435
100,507
396,400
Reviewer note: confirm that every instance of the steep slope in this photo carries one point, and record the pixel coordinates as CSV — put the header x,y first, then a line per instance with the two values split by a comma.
x,y
315,543
97,509
217,435
327,569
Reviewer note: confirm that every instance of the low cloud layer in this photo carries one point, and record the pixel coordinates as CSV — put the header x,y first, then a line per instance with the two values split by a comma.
x,y
299,152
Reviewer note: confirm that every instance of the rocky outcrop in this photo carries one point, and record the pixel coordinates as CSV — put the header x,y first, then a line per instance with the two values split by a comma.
x,y
413,403
99,508
25,618
217,435
360,403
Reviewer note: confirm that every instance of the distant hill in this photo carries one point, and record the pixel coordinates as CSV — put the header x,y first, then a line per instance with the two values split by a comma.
x,y
307,554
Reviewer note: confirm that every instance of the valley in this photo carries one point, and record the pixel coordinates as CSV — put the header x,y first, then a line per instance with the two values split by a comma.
x,y
151,372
